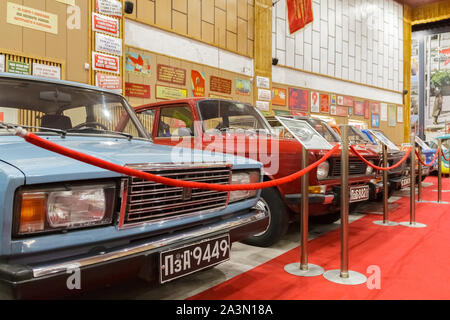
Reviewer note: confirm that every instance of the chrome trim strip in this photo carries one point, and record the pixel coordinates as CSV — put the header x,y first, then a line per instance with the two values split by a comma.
x,y
223,226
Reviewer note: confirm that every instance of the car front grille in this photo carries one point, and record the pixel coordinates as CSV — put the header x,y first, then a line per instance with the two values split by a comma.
x,y
150,201
355,168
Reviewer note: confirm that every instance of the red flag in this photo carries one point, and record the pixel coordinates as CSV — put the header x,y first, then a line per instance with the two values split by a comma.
x,y
300,13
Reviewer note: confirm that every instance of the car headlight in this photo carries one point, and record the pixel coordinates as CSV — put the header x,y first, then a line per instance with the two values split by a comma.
x,y
323,170
369,169
244,177
62,208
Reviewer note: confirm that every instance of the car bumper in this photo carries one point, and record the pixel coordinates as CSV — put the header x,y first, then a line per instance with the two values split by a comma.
x,y
96,271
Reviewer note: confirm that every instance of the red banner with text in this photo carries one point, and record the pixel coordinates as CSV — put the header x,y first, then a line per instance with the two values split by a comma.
x,y
300,13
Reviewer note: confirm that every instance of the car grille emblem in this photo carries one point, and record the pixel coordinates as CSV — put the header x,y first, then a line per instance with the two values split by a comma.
x,y
187,194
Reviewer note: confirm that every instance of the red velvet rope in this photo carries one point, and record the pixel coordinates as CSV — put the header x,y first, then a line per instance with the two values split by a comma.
x,y
48,145
443,156
432,161
381,168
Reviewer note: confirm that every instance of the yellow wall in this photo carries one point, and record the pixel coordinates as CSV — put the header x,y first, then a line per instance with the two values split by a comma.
x,y
228,24
68,47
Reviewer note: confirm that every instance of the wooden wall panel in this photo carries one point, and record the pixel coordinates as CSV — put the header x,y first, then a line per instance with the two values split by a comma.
x,y
230,20
69,47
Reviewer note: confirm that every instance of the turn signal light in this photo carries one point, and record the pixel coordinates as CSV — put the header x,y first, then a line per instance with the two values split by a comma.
x,y
32,212
317,189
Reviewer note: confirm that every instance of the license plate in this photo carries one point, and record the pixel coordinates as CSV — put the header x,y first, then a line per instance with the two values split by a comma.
x,y
405,182
179,262
359,193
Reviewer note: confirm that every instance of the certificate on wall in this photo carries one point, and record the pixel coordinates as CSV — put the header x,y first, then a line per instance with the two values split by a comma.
x,y
400,114
315,102
383,112
392,113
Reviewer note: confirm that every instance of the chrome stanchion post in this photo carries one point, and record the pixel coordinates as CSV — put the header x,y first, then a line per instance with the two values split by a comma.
x,y
412,200
304,269
439,170
419,183
344,275
385,221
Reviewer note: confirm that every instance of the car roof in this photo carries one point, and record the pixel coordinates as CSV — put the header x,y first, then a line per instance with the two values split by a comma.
x,y
186,101
445,136
4,75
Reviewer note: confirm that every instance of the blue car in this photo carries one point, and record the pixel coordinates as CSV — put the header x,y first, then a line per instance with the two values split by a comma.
x,y
66,226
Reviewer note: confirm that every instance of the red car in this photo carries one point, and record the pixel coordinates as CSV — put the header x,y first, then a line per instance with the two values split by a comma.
x,y
240,129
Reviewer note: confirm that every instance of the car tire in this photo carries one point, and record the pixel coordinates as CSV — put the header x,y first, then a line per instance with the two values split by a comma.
x,y
272,202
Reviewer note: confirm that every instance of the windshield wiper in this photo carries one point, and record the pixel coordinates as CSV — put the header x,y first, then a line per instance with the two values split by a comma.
x,y
127,135
14,126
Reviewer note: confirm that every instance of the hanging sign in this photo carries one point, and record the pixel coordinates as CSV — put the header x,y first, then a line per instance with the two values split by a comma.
x,y
108,44
105,62
171,74
18,67
31,18
198,83
315,102
109,82
137,90
300,13
105,24
109,7
44,71
2,63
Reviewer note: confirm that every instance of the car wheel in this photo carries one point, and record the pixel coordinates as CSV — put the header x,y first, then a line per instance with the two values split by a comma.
x,y
277,211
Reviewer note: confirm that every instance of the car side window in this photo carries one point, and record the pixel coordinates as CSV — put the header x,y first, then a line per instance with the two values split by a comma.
x,y
175,122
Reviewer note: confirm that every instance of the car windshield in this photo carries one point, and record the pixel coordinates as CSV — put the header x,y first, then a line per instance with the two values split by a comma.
x,y
49,108
356,136
226,116
324,129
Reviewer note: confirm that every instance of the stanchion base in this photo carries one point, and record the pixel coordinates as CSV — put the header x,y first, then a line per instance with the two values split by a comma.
x,y
354,278
413,225
387,224
313,270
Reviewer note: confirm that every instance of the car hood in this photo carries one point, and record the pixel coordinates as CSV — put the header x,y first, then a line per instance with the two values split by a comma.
x,y
42,166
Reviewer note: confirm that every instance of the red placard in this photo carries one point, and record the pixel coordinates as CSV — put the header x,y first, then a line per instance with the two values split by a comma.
x,y
375,107
366,109
105,62
137,90
105,24
359,108
198,83
300,13
107,81
324,103
2,116
341,111
220,85
298,99
348,101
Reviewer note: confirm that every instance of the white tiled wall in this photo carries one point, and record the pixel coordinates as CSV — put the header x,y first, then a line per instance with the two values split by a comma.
x,y
357,40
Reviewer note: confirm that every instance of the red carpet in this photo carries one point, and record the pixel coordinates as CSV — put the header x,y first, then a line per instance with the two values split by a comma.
x,y
414,263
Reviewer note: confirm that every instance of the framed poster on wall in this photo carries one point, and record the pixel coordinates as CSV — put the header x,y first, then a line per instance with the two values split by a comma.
x,y
392,115
298,99
315,101
375,120
279,96
324,103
